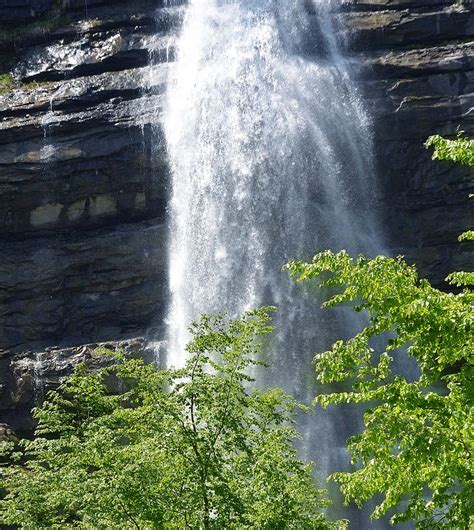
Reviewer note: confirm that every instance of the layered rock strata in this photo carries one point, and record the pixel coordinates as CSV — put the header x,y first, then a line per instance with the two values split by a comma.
x,y
83,188
83,173
416,60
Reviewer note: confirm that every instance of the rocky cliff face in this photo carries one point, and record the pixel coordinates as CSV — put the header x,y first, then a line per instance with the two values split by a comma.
x,y
83,175
417,60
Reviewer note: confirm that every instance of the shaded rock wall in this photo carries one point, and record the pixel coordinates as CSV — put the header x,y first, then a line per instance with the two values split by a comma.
x,y
21,10
417,62
83,176
83,187
82,198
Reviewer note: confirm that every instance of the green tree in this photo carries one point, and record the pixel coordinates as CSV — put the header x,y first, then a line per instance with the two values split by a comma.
x,y
192,448
416,449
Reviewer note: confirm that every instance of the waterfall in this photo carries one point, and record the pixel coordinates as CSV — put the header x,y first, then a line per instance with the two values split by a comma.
x,y
270,156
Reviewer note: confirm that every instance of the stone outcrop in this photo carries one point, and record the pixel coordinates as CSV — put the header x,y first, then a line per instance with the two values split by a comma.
x,y
83,174
30,374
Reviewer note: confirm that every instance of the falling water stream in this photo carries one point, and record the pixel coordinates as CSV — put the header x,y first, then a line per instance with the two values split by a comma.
x,y
270,154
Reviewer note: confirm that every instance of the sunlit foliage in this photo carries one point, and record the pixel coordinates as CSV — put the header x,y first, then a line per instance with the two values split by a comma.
x,y
417,446
459,150
193,448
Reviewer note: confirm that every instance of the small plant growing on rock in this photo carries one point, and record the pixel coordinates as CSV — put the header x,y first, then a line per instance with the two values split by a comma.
x,y
6,83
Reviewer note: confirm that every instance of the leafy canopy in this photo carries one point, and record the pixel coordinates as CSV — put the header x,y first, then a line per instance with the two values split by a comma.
x,y
192,448
418,442
460,150
417,445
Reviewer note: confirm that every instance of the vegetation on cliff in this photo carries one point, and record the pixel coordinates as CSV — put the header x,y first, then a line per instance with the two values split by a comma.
x,y
6,83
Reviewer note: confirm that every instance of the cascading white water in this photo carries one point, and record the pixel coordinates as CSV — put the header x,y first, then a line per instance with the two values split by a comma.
x,y
270,155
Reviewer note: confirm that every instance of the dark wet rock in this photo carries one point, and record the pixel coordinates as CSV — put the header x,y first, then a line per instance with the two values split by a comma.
x,y
26,377
415,61
94,52
421,62
99,284
82,207
21,10
412,94
408,24
73,155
